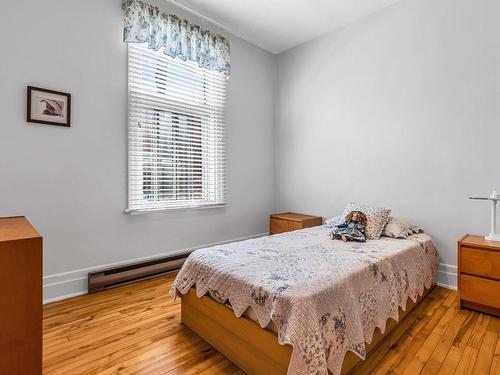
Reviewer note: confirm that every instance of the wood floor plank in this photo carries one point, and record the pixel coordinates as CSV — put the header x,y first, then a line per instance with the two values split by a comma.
x,y
418,340
485,355
468,359
197,367
136,330
379,362
458,346
417,363
434,362
394,356
495,363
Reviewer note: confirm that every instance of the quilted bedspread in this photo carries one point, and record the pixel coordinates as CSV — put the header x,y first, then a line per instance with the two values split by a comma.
x,y
324,296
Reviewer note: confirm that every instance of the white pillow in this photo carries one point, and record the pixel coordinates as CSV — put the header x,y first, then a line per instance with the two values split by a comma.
x,y
399,228
333,221
376,218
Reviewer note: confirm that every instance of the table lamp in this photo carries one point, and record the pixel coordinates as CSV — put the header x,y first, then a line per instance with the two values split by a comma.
x,y
493,198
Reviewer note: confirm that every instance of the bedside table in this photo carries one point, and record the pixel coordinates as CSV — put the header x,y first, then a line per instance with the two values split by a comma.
x,y
288,221
479,274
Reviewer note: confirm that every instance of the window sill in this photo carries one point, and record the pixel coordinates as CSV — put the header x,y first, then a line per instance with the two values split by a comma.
x,y
142,211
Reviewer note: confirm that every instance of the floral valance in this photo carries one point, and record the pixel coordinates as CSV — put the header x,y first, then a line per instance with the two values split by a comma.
x,y
145,23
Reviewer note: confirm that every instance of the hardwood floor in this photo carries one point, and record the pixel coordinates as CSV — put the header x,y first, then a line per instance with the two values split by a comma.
x,y
136,329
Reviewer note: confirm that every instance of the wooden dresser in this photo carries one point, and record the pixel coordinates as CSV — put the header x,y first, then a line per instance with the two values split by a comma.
x,y
479,274
21,297
288,221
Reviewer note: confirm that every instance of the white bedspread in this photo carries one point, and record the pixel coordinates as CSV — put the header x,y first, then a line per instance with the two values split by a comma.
x,y
324,296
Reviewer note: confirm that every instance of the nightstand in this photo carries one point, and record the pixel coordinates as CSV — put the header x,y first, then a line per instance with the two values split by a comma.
x,y
479,274
288,221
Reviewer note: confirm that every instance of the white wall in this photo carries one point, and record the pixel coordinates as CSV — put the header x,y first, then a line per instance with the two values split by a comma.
x,y
401,109
71,183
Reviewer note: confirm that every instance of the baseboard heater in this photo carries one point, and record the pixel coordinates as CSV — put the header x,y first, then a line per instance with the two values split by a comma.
x,y
113,277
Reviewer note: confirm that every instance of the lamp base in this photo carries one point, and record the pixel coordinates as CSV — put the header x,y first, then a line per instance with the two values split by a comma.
x,y
492,237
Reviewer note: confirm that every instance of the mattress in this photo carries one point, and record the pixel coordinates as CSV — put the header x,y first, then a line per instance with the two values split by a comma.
x,y
322,296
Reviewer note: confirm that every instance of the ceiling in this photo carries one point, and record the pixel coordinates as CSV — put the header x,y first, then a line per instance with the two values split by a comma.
x,y
278,25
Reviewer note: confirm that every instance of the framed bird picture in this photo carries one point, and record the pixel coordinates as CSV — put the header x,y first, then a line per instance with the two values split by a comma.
x,y
48,107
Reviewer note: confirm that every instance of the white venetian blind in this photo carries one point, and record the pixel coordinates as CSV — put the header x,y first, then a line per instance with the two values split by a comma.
x,y
176,141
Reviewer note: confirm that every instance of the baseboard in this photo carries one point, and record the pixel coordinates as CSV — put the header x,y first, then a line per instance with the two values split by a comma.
x,y
63,297
447,276
64,285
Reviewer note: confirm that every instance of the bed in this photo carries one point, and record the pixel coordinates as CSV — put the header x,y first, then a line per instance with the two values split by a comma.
x,y
298,302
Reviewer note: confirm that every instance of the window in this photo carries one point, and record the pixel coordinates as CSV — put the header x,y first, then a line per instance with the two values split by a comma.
x,y
176,141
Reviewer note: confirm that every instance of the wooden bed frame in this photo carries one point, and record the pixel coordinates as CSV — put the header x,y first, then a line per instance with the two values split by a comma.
x,y
253,349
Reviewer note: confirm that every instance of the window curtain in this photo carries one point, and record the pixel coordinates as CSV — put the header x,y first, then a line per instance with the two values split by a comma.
x,y
145,23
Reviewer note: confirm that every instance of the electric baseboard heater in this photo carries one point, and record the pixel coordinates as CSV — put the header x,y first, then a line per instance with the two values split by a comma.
x,y
117,276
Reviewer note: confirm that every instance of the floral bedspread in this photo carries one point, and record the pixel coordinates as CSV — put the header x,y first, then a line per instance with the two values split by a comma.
x,y
324,296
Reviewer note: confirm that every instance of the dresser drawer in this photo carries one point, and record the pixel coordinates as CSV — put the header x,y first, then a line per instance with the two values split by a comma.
x,y
280,226
482,291
480,262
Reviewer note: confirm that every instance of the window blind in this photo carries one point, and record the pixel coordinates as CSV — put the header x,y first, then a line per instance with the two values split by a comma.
x,y
176,135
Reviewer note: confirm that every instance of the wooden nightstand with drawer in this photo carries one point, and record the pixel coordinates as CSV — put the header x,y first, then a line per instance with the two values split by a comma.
x,y
479,274
288,221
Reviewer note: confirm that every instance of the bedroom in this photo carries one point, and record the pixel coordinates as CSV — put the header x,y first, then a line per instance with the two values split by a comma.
x,y
127,152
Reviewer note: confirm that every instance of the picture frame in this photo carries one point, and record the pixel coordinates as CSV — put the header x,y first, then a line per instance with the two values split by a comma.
x,y
48,107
